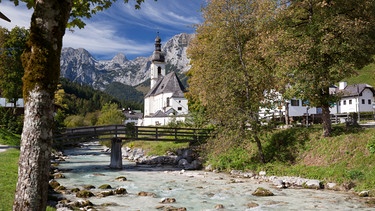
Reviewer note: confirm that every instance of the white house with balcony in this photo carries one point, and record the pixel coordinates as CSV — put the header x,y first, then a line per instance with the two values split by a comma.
x,y
165,102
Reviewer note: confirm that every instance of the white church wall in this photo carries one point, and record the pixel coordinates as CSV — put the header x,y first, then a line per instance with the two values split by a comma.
x,y
180,105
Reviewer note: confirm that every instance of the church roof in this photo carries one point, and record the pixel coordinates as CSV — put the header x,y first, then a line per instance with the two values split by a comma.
x,y
168,84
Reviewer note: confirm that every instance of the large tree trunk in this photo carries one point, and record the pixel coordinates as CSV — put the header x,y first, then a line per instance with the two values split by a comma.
x,y
326,117
42,70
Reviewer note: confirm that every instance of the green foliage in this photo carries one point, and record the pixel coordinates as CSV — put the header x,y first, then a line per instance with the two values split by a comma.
x,y
8,120
82,99
8,138
12,45
157,147
124,92
229,75
234,158
283,145
110,114
320,43
74,121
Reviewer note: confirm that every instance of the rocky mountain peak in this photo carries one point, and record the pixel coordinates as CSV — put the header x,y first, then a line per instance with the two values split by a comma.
x,y
80,66
120,58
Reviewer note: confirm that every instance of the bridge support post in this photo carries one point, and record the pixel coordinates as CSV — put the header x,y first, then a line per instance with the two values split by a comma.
x,y
116,154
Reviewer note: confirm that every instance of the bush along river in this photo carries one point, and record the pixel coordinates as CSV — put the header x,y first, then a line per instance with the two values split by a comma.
x,y
84,181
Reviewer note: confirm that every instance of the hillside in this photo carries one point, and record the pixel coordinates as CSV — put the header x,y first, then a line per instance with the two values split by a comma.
x,y
365,75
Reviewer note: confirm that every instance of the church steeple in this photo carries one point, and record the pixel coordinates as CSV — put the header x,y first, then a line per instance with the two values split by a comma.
x,y
158,55
158,62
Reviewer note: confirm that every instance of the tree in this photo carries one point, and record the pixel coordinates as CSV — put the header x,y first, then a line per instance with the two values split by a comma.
x,y
110,114
12,45
41,62
321,42
229,75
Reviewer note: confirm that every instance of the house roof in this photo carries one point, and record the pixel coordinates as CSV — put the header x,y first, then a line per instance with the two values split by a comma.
x,y
134,115
160,114
355,90
168,84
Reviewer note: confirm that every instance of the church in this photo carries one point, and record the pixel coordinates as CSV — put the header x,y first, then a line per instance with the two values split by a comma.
x,y
165,102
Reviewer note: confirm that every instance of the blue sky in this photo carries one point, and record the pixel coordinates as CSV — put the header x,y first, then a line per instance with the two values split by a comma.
x,y
122,29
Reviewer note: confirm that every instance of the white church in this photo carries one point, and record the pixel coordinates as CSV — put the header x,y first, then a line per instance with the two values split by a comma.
x,y
165,102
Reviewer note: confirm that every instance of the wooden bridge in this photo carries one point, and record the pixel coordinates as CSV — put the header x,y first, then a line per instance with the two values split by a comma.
x,y
134,133
118,133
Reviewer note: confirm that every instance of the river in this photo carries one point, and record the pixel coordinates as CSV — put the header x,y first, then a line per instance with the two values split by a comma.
x,y
193,190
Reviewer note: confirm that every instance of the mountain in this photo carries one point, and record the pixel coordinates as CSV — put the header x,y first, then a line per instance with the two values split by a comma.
x,y
78,65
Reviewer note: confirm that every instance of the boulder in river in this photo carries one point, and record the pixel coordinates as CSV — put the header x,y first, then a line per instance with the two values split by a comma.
x,y
262,192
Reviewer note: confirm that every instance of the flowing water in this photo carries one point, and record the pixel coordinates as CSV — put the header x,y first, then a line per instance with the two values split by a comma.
x,y
194,190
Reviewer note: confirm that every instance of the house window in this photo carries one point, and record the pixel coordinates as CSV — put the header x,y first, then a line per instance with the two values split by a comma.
x,y
344,102
363,101
179,108
168,101
294,102
339,103
350,102
159,71
369,101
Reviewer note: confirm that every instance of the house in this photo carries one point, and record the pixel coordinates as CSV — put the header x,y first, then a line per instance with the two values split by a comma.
x,y
132,116
354,98
4,103
165,102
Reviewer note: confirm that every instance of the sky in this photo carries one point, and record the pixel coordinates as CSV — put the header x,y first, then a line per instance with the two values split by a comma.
x,y
121,29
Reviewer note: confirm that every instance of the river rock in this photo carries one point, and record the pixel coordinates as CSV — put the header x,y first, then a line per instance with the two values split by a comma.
x,y
171,208
332,186
54,184
313,184
209,168
105,193
88,187
144,193
105,186
262,173
262,192
167,200
84,194
120,191
252,205
219,206
364,193
121,178
81,203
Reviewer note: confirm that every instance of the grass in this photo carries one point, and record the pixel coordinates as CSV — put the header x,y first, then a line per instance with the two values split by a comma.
x,y
365,75
346,157
157,147
8,178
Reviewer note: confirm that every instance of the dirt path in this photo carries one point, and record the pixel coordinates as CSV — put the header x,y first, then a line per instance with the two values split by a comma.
x,y
3,148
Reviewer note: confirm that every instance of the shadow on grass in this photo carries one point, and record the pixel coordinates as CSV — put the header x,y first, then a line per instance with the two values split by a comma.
x,y
283,146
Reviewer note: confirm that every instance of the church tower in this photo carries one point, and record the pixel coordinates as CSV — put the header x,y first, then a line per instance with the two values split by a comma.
x,y
158,63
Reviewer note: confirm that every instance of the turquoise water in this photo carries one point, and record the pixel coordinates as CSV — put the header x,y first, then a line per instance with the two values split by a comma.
x,y
194,190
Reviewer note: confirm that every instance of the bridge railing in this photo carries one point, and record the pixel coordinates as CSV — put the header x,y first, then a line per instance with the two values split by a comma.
x,y
146,133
